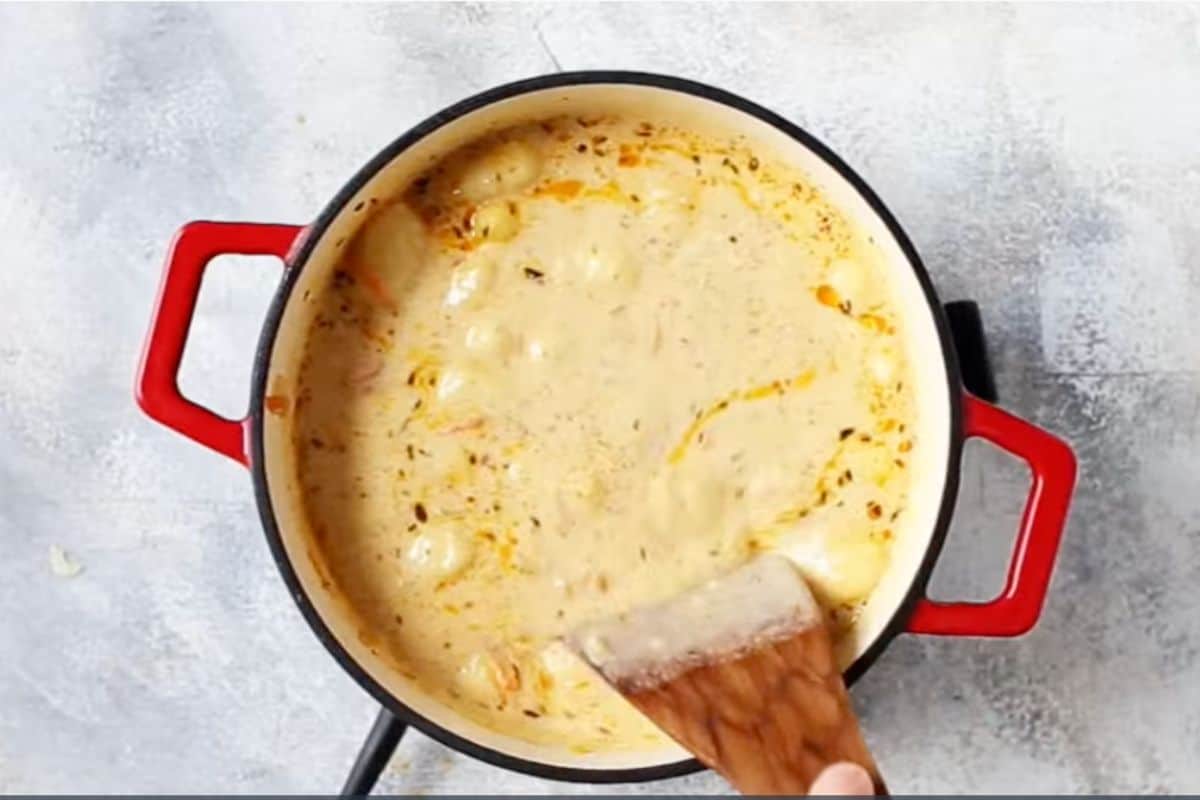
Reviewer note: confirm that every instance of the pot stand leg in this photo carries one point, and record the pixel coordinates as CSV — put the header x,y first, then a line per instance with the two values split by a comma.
x,y
970,343
374,755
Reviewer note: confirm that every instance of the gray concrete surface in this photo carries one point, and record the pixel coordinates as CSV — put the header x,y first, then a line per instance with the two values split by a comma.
x,y
1046,160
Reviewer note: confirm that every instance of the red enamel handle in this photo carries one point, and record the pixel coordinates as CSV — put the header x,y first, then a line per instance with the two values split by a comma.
x,y
1019,605
157,386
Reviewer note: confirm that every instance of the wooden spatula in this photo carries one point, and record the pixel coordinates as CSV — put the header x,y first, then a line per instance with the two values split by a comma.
x,y
740,671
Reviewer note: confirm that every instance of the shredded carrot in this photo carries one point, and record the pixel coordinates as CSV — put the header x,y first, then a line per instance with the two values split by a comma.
x,y
609,191
375,285
277,404
874,322
772,389
828,296
560,190
473,424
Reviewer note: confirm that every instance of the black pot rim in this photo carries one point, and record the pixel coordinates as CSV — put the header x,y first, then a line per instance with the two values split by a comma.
x,y
314,233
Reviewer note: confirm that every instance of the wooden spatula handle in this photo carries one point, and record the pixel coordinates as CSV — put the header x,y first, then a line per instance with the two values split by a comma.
x,y
769,721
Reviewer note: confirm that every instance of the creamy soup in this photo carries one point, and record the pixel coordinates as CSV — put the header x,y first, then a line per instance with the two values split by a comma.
x,y
580,366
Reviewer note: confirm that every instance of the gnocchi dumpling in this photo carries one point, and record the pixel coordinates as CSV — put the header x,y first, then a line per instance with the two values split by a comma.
x,y
440,551
769,486
662,195
488,340
560,662
393,235
505,168
585,489
495,221
557,669
488,679
451,383
470,282
679,499
606,266
547,342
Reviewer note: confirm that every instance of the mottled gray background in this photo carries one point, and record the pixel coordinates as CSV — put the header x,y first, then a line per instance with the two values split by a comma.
x,y
1046,161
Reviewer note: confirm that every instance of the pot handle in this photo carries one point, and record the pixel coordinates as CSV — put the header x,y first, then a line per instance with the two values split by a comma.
x,y
1019,605
374,755
157,386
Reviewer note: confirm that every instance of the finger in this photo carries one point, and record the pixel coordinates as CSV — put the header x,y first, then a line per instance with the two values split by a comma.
x,y
843,779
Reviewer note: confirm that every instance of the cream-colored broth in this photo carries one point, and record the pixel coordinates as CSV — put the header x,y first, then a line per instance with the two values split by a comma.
x,y
583,365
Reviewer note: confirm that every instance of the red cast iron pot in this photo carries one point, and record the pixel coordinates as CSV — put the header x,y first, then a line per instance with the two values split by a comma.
x,y
259,440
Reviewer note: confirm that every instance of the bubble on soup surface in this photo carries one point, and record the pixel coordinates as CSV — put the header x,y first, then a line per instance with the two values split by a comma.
x,y
596,648
848,278
883,365
587,489
545,344
869,463
440,551
502,169
537,350
515,471
470,282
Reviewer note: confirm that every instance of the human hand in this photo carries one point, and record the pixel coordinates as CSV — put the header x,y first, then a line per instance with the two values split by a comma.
x,y
844,779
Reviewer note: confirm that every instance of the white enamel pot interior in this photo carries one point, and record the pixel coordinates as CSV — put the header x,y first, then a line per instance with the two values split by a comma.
x,y
938,392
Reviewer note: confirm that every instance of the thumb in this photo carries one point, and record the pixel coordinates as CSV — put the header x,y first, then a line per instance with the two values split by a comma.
x,y
843,778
